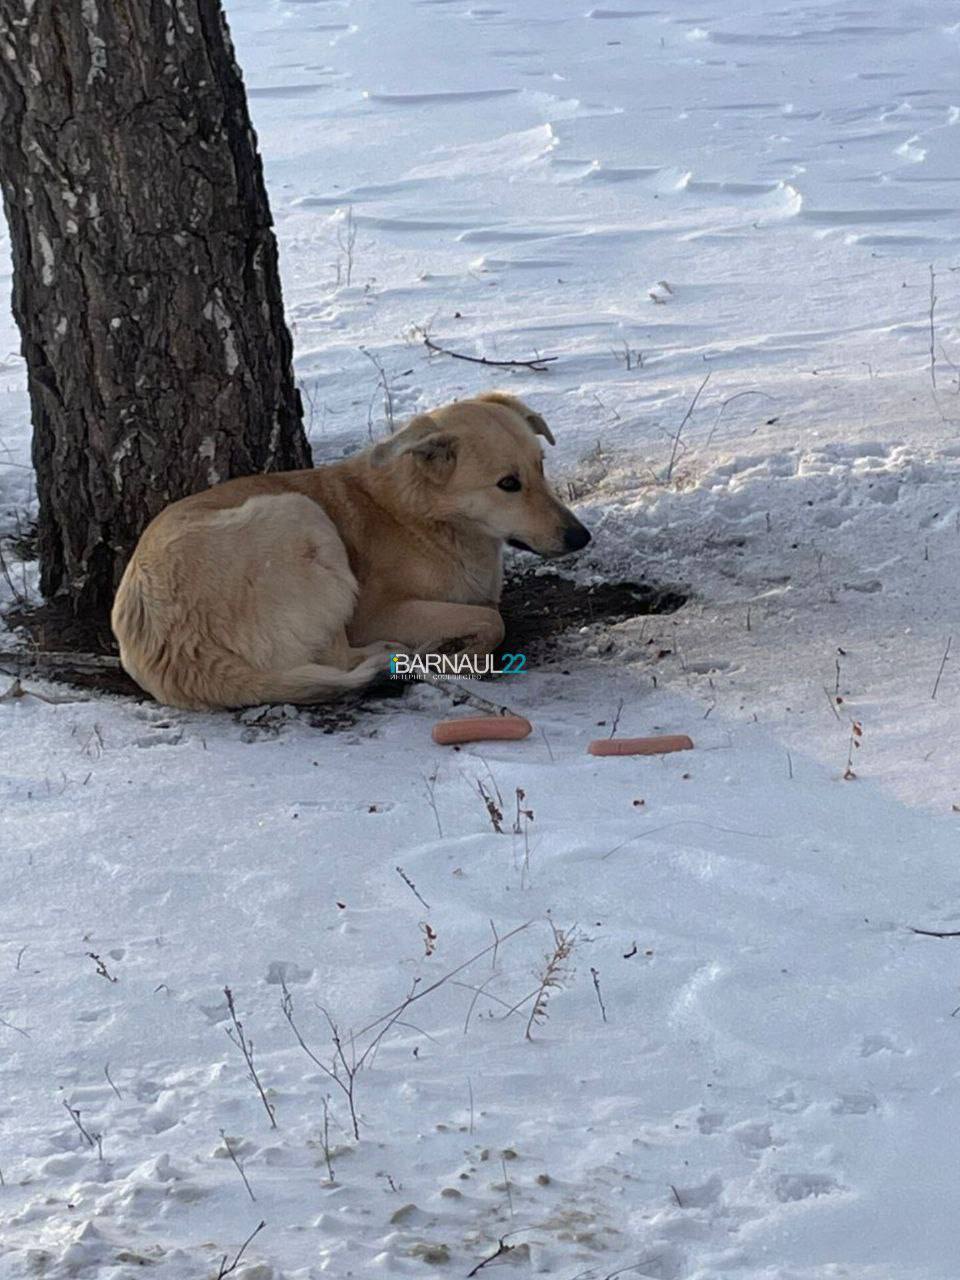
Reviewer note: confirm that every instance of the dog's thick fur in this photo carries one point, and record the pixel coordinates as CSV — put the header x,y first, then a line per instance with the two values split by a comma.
x,y
294,587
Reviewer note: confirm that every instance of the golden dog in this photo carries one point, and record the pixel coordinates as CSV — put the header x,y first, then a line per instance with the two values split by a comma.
x,y
296,586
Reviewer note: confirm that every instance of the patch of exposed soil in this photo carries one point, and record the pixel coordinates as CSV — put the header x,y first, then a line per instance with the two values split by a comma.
x,y
539,607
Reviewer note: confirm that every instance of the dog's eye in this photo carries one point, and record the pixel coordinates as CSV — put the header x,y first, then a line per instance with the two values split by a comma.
x,y
510,484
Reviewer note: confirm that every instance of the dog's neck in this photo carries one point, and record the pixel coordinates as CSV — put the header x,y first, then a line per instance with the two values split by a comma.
x,y
479,555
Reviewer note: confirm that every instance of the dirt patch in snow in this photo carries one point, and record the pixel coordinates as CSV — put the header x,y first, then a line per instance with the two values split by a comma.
x,y
539,607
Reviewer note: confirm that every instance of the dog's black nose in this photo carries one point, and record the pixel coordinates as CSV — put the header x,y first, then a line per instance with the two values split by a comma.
x,y
576,537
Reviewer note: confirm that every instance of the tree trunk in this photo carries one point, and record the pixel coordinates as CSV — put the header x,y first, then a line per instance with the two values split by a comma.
x,y
146,284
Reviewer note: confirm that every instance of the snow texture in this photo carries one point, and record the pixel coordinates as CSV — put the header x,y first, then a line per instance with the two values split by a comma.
x,y
748,1067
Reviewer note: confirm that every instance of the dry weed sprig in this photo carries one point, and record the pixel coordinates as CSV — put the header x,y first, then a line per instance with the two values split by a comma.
x,y
553,976
327,1152
343,1070
340,1070
521,827
237,1165
346,243
933,307
386,391
595,975
668,474
224,1270
92,1139
856,734
943,663
411,886
245,1045
494,811
21,595
431,786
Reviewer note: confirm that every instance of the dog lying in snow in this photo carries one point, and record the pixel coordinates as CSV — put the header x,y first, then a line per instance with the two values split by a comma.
x,y
296,586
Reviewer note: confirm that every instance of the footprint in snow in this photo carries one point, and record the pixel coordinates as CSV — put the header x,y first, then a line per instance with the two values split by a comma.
x,y
169,737
871,1045
710,1121
791,1187
707,665
854,1104
700,1195
790,1101
753,1135
281,972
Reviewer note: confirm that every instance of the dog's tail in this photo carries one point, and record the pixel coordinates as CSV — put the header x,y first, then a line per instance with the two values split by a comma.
x,y
312,682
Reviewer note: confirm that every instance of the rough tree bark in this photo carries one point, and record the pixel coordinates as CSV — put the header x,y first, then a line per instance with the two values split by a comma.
x,y
146,285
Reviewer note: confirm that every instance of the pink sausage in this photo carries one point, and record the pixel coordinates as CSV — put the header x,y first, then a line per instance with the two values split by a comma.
x,y
640,746
481,729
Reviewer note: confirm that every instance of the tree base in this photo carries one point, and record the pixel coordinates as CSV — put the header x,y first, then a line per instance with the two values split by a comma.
x,y
79,651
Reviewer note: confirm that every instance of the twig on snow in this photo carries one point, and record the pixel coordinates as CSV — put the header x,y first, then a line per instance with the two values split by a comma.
x,y
538,364
460,696
502,1249
106,1072
943,663
102,970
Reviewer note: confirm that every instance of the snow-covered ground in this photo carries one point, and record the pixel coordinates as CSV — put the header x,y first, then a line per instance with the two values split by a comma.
x,y
748,1068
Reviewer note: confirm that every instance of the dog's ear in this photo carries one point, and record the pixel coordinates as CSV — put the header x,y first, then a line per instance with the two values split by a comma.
x,y
539,427
438,452
533,420
421,439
